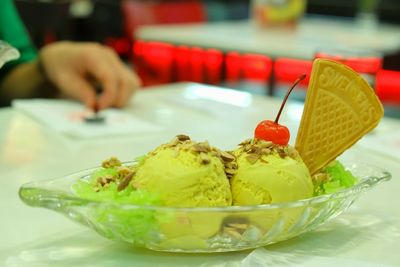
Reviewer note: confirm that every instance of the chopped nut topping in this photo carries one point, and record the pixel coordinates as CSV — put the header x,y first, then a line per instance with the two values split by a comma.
x,y
282,153
201,147
230,171
105,180
227,157
215,153
235,227
112,162
235,219
125,182
320,178
266,144
265,151
204,158
182,137
232,232
252,158
245,142
123,171
292,153
174,142
247,147
242,226
231,165
254,150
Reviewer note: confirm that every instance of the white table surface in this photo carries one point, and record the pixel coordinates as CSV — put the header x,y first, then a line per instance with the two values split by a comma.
x,y
368,234
312,35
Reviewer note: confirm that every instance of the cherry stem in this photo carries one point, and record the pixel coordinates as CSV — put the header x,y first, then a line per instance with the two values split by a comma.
x,y
302,77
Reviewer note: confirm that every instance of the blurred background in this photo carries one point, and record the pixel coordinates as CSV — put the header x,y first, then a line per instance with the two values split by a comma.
x,y
115,23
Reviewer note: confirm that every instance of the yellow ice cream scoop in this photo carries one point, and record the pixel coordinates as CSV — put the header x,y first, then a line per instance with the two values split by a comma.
x,y
185,174
269,173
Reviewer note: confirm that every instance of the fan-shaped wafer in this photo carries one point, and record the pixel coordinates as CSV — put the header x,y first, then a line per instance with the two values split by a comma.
x,y
340,108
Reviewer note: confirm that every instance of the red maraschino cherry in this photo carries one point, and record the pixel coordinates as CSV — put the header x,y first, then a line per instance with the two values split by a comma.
x,y
273,131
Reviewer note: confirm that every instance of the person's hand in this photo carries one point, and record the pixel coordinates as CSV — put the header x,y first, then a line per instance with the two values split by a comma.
x,y
76,68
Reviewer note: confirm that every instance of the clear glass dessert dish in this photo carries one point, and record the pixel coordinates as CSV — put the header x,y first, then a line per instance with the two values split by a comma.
x,y
208,229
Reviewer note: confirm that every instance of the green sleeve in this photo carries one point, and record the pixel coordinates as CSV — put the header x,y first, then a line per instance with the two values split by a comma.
x,y
13,31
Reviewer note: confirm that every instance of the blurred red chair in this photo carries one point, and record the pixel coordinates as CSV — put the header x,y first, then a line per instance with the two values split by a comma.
x,y
196,65
154,62
233,68
388,87
256,68
182,63
287,70
365,65
213,63
250,68
138,57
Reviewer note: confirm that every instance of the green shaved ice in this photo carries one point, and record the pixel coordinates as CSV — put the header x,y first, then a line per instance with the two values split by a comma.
x,y
332,187
338,179
339,173
103,172
129,195
134,225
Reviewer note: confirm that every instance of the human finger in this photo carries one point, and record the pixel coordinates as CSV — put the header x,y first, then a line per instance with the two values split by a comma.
x,y
77,87
102,69
127,82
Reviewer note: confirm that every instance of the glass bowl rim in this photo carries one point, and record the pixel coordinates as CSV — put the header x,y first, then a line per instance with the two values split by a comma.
x,y
365,183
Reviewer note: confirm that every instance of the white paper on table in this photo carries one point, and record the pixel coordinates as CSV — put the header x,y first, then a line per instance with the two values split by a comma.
x,y
67,117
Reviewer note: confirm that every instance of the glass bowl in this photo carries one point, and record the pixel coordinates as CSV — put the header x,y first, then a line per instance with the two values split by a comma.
x,y
208,229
